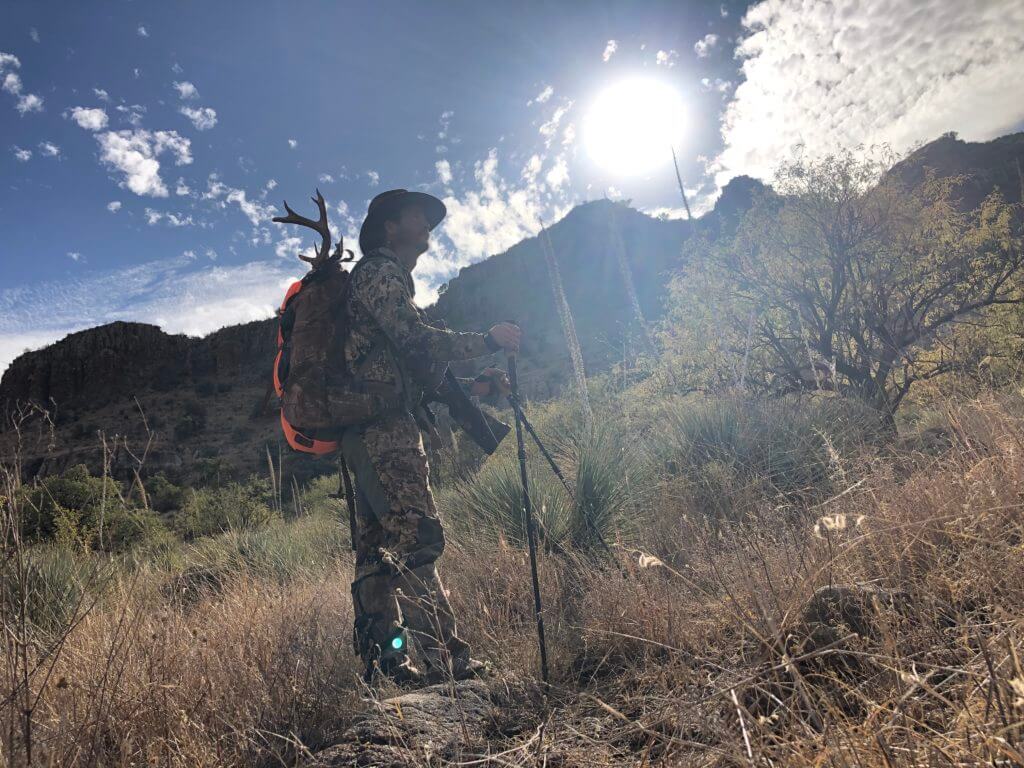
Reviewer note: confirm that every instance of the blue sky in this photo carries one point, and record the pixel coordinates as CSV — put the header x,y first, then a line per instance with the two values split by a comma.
x,y
144,146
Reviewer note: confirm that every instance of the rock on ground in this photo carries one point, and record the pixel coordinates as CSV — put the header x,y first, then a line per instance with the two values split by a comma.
x,y
447,721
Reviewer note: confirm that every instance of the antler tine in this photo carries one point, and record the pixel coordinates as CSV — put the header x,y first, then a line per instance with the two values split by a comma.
x,y
320,226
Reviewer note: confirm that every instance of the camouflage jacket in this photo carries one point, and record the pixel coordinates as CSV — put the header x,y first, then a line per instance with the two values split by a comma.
x,y
390,345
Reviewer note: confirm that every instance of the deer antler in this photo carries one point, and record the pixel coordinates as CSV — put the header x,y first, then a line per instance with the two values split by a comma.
x,y
320,226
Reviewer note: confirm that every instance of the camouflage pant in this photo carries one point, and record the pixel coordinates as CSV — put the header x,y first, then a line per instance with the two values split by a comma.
x,y
398,539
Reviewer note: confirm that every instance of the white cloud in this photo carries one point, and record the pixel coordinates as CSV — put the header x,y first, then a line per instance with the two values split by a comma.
x,y
288,247
550,128
373,177
24,155
133,113
186,90
27,102
114,206
34,34
444,171
292,143
257,212
202,118
92,119
326,178
142,31
74,255
489,219
101,94
558,175
177,294
609,50
172,219
271,184
543,96
48,149
181,188
850,73
666,58
703,46
135,153
12,83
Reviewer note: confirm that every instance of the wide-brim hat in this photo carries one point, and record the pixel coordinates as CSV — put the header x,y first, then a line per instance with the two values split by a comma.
x,y
387,204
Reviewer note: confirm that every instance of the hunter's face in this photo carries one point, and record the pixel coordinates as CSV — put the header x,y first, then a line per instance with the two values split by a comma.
x,y
413,230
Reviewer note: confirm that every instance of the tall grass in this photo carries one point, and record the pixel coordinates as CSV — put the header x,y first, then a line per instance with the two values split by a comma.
x,y
714,658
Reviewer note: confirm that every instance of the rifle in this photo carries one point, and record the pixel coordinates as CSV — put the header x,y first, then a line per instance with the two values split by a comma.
x,y
482,428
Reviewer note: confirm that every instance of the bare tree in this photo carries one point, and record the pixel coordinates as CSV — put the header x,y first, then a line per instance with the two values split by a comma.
x,y
844,279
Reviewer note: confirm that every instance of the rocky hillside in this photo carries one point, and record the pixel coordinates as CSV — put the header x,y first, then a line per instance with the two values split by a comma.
x,y
207,404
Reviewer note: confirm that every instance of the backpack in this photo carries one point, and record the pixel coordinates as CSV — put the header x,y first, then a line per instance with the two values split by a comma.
x,y
318,397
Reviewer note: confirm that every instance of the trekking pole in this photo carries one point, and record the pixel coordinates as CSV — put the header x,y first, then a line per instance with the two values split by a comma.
x,y
531,535
517,406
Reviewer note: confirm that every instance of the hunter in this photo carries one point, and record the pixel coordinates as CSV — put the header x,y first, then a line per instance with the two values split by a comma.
x,y
390,347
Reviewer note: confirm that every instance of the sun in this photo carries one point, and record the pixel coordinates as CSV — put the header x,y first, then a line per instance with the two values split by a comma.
x,y
632,124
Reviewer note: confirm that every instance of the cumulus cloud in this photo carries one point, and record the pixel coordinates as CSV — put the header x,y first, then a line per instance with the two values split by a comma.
x,y
141,31
114,206
326,178
292,143
550,128
34,34
202,118
49,149
132,113
134,154
181,188
543,96
101,94
257,212
490,219
849,73
24,155
444,171
609,50
177,294
666,58
74,255
703,46
186,90
11,83
171,219
90,118
373,177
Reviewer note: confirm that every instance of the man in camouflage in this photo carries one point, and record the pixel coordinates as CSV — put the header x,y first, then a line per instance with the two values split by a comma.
x,y
391,350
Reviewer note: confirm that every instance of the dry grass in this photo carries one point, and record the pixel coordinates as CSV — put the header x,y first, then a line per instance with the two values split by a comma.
x,y
693,649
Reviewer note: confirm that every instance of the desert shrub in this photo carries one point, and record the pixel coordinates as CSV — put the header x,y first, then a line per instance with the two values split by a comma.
x,y
606,482
280,551
208,511
69,507
192,421
164,496
50,585
728,449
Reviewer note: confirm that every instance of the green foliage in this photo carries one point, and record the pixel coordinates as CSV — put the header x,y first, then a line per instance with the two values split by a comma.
x,y
164,496
730,450
607,475
234,506
281,551
50,583
192,421
79,511
842,279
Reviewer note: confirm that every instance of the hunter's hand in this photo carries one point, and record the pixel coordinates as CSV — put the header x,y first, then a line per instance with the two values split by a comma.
x,y
507,336
491,381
